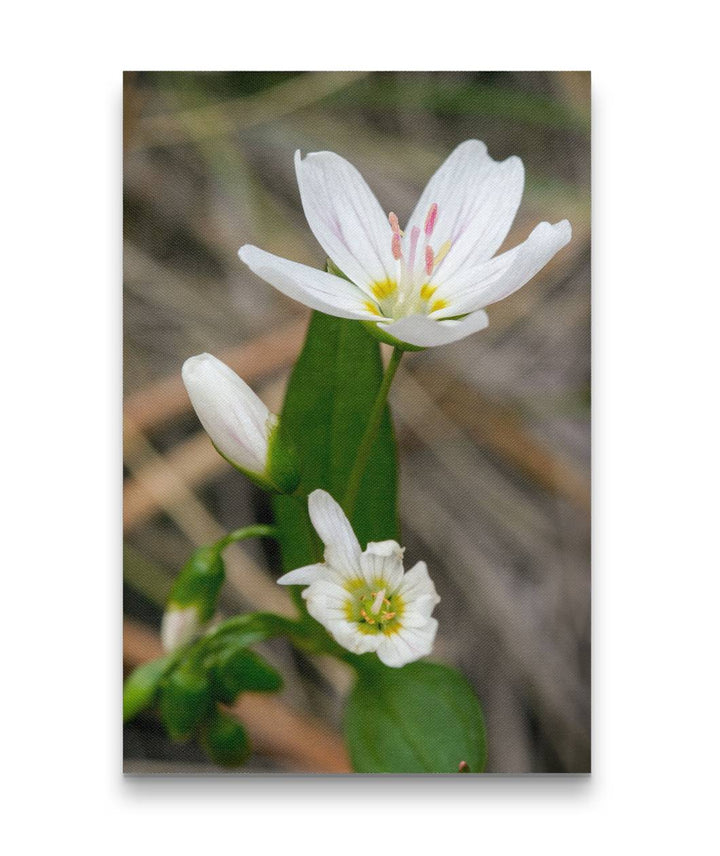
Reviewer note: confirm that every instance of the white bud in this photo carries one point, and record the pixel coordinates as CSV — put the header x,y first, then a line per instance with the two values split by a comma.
x,y
237,421
178,627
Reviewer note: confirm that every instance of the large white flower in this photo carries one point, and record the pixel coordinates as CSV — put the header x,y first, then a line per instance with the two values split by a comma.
x,y
365,599
429,284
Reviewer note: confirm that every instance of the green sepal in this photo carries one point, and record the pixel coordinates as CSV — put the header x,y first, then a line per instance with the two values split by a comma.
x,y
239,670
283,467
141,686
422,718
198,583
225,741
185,700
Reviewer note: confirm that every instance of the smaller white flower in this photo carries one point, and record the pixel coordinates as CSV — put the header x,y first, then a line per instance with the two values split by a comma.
x,y
240,426
179,626
365,600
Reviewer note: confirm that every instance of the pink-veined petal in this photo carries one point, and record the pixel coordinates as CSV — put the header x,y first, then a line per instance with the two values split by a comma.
x,y
346,218
315,288
302,576
408,644
383,560
477,199
505,274
342,550
427,332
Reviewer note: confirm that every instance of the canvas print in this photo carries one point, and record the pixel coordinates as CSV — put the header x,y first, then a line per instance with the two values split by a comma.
x,y
356,422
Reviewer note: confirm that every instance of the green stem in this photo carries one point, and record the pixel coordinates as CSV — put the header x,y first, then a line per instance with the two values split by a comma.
x,y
260,530
370,435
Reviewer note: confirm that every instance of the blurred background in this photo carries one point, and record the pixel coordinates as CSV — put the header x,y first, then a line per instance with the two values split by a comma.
x,y
493,431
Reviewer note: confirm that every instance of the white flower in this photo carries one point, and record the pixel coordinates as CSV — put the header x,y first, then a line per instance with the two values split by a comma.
x,y
366,600
240,426
179,626
425,286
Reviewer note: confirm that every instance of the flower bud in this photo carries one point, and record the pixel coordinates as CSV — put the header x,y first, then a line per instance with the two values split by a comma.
x,y
240,426
179,626
193,597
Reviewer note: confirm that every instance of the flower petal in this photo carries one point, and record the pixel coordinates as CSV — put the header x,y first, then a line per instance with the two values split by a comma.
x,y
314,288
505,274
427,332
326,603
342,550
234,417
408,644
346,218
417,584
477,199
383,559
303,576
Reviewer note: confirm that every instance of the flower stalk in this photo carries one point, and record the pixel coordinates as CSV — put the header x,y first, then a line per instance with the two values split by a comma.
x,y
370,435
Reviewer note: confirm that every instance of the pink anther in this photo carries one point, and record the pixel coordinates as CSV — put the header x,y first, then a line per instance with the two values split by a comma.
x,y
429,260
396,248
430,219
394,225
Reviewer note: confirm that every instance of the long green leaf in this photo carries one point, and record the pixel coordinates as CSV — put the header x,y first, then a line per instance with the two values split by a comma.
x,y
329,398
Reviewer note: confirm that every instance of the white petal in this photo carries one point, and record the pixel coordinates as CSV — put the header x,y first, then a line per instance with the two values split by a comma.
x,y
477,199
345,217
427,332
342,550
416,584
383,559
235,418
302,576
408,644
504,274
315,288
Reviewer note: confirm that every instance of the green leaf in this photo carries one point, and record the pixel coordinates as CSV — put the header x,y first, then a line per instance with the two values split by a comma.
x,y
239,670
184,700
329,398
142,684
225,741
423,718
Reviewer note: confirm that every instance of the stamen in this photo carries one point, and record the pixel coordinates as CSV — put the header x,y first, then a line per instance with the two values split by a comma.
x,y
367,617
386,616
396,248
429,260
442,252
414,235
394,224
377,603
430,219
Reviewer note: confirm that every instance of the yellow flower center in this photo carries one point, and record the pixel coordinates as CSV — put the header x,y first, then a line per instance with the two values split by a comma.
x,y
373,608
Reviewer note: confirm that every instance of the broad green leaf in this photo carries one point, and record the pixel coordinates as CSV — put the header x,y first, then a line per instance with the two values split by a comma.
x,y
423,718
142,684
329,398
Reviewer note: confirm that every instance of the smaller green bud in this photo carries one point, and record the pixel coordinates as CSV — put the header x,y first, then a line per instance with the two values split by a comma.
x,y
239,670
193,597
185,700
225,741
